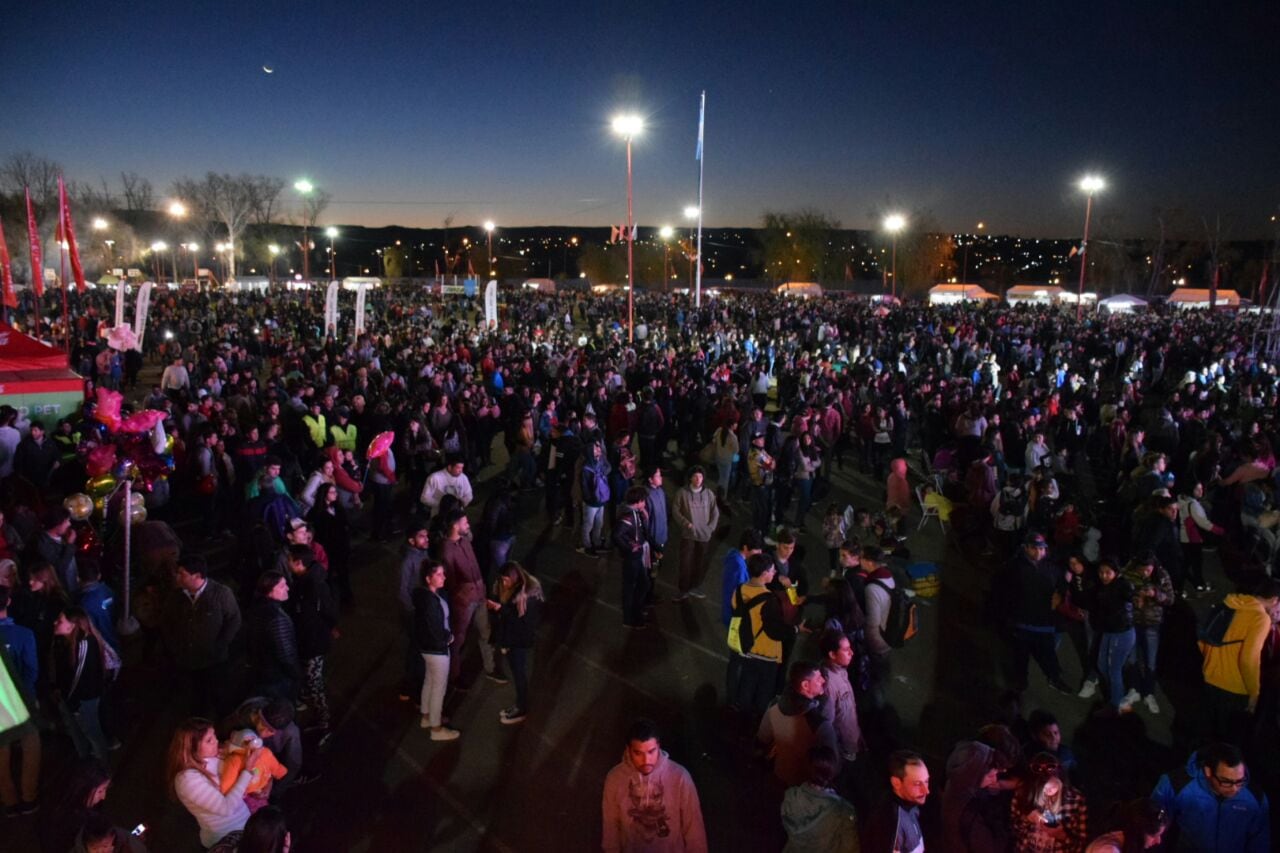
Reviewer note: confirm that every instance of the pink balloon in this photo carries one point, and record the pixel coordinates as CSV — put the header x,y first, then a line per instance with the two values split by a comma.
x,y
381,444
108,409
100,460
143,421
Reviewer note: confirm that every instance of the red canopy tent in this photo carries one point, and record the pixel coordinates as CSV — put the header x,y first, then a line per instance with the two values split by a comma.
x,y
36,379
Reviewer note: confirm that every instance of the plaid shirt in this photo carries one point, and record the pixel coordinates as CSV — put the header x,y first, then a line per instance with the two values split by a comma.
x,y
1029,837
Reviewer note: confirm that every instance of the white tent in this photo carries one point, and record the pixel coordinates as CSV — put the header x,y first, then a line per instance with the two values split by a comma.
x,y
1198,297
1122,303
799,288
352,282
1041,294
948,294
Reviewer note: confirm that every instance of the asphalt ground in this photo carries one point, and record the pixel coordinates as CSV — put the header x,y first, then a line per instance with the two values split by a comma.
x,y
385,786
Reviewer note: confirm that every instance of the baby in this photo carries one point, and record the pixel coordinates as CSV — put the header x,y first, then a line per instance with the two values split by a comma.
x,y
236,753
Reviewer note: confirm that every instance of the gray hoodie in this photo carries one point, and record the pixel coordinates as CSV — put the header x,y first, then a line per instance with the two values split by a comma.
x,y
696,513
658,813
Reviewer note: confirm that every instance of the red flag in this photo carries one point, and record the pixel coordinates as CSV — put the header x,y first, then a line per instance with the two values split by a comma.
x,y
6,273
33,245
69,235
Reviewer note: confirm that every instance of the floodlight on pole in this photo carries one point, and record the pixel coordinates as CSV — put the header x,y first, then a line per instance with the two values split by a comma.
x,y
177,209
303,186
99,224
332,234
627,126
1089,185
893,223
488,230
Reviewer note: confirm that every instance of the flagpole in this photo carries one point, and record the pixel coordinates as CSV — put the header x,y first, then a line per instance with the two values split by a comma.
x,y
697,255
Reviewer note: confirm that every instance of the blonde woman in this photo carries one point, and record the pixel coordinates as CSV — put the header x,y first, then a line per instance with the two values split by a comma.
x,y
1049,816
517,601
193,768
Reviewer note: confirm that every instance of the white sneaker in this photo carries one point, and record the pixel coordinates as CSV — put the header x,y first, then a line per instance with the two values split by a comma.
x,y
1152,705
1131,698
445,733
1088,690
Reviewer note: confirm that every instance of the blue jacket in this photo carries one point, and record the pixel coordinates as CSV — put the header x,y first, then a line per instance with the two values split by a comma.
x,y
99,602
20,643
1208,823
735,575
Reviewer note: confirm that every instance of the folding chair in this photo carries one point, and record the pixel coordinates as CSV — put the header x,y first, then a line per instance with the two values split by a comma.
x,y
927,512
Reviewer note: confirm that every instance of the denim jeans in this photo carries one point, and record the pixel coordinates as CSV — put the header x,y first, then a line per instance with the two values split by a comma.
x,y
84,728
519,659
592,526
1147,646
499,550
1113,651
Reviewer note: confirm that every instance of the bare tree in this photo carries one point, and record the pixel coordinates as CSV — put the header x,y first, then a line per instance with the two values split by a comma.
x,y
28,170
266,195
137,192
225,198
314,205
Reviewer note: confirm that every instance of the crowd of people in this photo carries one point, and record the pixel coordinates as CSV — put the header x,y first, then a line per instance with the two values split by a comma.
x,y
1083,470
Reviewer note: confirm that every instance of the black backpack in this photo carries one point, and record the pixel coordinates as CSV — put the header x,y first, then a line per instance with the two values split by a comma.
x,y
1214,630
747,637
904,620
1013,503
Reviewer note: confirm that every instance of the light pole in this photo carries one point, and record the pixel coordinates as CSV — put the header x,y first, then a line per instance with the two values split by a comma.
x,y
332,234
100,225
627,126
304,188
488,230
158,249
964,275
274,250
893,223
195,261
666,232
691,213
1090,184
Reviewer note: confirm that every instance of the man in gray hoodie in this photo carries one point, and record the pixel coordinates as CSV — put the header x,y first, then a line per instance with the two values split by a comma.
x,y
696,515
650,803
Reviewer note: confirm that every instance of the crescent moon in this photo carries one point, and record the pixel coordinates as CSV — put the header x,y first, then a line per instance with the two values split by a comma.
x,y
268,69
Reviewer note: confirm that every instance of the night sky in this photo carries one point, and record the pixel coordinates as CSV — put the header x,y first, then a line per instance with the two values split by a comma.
x,y
410,112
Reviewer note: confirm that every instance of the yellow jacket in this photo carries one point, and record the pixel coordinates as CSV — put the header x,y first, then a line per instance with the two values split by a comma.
x,y
763,646
1236,665
344,438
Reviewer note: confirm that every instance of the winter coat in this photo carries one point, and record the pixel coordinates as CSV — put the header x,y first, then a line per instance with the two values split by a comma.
x,y
314,612
789,729
1236,665
1149,610
431,632
198,634
272,647
514,631
1202,821
1110,605
818,820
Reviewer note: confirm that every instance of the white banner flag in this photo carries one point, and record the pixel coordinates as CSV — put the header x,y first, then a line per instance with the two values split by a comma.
x,y
491,304
361,290
140,312
120,285
331,310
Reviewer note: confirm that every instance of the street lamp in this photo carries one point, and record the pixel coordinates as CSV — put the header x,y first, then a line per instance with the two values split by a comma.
x,y
304,188
488,230
1089,184
627,126
158,248
691,213
274,250
332,233
177,209
893,223
99,224
195,261
666,232
964,276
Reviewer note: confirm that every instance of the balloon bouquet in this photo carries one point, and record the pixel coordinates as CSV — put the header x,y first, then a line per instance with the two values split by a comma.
x,y
115,449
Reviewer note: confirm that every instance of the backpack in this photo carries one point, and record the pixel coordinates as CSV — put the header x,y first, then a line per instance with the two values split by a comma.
x,y
1013,503
741,638
1214,630
904,620
599,486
